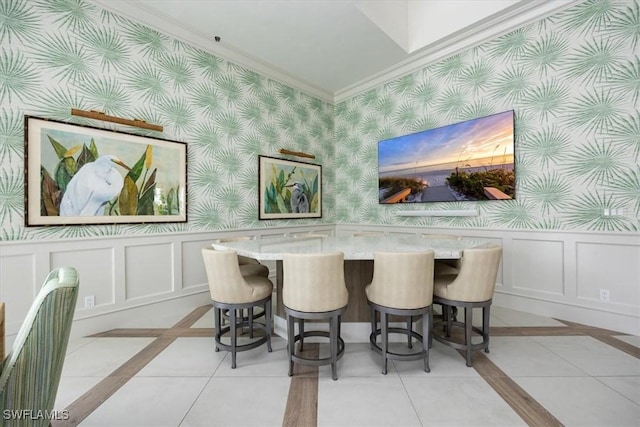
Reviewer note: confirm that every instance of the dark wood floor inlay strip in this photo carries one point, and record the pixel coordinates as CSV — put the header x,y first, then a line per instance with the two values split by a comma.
x,y
82,407
530,331
532,412
193,317
630,349
302,403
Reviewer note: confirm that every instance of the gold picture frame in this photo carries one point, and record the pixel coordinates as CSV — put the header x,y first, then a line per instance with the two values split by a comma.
x,y
289,189
81,175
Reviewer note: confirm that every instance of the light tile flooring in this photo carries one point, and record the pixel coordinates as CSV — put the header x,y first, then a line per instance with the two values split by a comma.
x,y
540,372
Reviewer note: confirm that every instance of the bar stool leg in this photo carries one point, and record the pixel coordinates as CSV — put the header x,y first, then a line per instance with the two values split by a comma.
x,y
217,317
384,320
333,344
267,319
426,336
468,323
410,329
233,325
431,327
374,327
250,310
291,336
301,332
485,327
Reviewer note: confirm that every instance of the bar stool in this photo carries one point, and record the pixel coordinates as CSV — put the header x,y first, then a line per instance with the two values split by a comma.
x,y
402,285
248,266
314,289
472,287
230,291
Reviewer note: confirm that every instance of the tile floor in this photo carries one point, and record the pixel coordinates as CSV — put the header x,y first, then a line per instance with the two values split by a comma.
x,y
579,379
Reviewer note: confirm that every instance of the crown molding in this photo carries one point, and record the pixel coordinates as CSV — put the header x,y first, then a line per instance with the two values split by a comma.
x,y
510,19
135,11
519,15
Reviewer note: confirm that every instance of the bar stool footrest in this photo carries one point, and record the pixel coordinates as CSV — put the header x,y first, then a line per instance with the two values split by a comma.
x,y
317,361
416,355
242,347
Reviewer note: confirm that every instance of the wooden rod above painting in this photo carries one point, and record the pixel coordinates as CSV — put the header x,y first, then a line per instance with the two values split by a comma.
x,y
296,153
98,115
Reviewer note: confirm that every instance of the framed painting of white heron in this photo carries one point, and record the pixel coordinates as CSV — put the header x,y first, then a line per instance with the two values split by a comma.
x,y
80,175
289,189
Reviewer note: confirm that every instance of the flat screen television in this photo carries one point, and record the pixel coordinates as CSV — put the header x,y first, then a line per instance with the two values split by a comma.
x,y
470,160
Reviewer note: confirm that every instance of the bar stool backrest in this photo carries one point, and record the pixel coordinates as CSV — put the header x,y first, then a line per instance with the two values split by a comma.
x,y
314,282
226,283
476,280
402,280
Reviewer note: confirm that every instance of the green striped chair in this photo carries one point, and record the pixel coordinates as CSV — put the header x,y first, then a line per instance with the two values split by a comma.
x,y
31,371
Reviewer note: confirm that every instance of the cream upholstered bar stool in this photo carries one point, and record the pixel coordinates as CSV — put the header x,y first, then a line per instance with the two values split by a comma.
x,y
402,285
231,291
248,266
472,287
314,289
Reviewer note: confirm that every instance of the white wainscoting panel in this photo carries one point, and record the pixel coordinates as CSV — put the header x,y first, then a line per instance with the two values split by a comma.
x,y
149,270
193,272
538,265
613,267
96,270
18,286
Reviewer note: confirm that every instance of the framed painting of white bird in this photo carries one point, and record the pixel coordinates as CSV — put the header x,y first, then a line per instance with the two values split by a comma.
x,y
289,189
81,175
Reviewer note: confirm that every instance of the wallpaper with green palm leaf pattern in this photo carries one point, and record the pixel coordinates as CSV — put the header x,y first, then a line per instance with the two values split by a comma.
x,y
61,54
573,80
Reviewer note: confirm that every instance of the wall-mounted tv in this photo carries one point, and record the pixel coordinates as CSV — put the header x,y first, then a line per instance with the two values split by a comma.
x,y
471,160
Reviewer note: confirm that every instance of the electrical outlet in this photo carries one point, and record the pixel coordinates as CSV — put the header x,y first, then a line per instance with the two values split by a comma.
x,y
604,295
89,301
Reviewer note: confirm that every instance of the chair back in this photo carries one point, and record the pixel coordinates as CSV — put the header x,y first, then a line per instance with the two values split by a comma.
x,y
476,280
226,283
402,280
31,371
314,282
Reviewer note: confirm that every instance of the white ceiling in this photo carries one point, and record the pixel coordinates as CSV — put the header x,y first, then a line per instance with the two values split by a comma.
x,y
329,47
